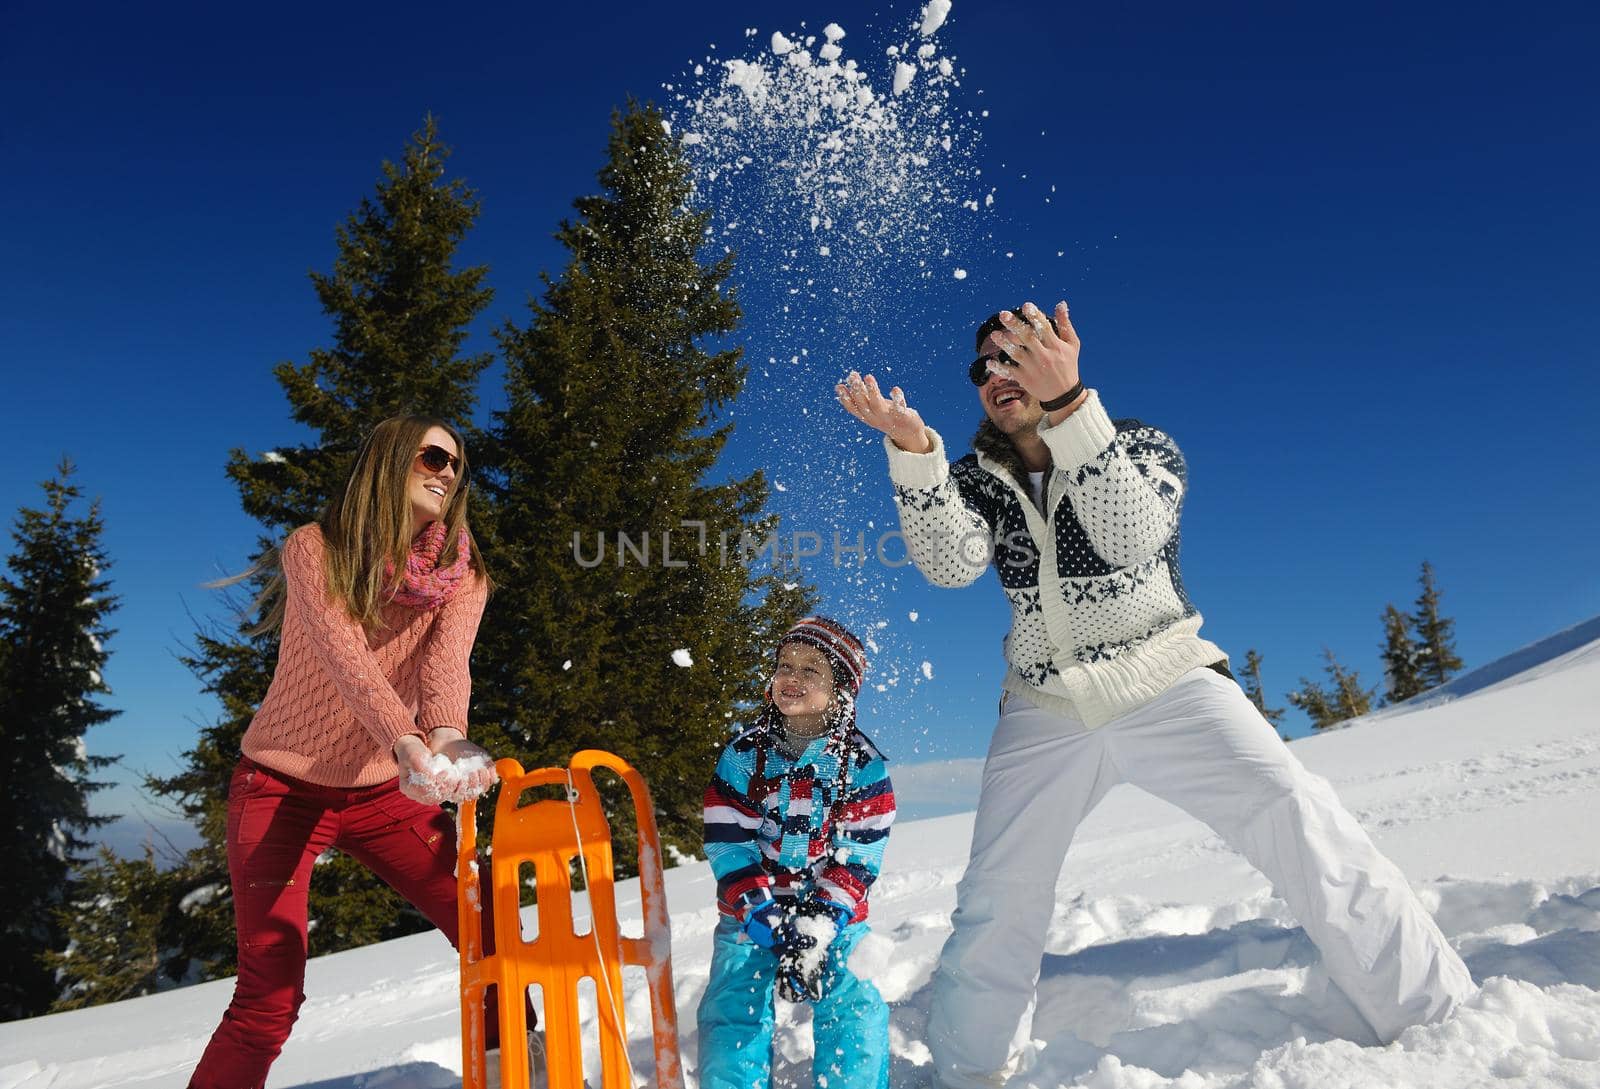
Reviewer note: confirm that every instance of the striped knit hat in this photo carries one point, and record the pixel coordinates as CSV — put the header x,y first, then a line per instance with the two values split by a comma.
x,y
844,651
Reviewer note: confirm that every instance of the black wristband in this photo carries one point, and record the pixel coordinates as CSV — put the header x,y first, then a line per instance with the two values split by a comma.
x,y
1064,400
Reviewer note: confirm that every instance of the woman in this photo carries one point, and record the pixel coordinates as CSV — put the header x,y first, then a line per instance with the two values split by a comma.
x,y
378,605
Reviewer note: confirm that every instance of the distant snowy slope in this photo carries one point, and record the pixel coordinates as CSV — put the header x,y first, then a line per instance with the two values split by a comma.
x,y
1550,654
938,787
1169,963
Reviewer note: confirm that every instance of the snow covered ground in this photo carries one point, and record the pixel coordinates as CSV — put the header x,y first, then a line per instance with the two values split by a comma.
x,y
1169,962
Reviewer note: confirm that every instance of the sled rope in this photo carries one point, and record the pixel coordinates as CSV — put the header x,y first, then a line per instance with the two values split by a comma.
x,y
594,931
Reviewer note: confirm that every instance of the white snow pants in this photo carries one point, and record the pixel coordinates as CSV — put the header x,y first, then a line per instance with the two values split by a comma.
x,y
1202,746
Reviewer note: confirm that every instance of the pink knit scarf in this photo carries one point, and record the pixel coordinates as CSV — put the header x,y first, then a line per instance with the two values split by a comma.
x,y
425,584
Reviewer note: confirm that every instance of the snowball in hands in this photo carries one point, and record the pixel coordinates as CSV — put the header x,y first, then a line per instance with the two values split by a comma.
x,y
821,931
448,780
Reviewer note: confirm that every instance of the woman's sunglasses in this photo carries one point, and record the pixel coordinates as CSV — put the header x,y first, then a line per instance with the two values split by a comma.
x,y
435,458
979,372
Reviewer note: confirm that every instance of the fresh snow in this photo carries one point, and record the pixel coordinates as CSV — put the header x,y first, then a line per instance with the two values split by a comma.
x,y
844,167
446,778
680,657
791,144
903,74
821,932
1169,965
934,13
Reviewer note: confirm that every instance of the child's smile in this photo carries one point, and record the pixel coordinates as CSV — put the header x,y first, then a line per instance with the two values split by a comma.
x,y
803,684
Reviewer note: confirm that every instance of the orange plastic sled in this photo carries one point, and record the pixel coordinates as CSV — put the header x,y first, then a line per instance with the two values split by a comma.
x,y
550,834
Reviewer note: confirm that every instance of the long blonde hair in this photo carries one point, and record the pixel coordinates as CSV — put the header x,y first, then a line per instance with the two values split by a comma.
x,y
367,525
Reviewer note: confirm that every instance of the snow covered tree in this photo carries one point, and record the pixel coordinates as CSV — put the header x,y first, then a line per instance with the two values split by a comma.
x,y
614,388
113,923
1257,696
54,602
400,312
1437,660
1344,699
1400,677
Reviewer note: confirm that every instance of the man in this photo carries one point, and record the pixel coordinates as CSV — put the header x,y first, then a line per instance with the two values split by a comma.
x,y
1110,681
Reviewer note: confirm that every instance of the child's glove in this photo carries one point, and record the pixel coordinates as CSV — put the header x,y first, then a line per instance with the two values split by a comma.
x,y
815,924
841,914
762,921
800,976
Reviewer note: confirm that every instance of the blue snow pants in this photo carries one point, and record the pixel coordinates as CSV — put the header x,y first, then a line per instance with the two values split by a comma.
x,y
850,1025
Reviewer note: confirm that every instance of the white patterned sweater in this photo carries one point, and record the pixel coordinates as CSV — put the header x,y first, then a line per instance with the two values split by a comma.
x,y
1100,622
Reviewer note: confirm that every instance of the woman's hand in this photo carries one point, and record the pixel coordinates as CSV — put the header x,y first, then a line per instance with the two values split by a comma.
x,y
473,764
891,415
445,768
417,778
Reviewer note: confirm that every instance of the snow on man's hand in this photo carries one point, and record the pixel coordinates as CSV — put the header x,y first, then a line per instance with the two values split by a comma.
x,y
891,415
1043,351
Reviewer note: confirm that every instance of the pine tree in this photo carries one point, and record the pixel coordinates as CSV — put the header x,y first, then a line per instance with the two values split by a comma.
x,y
1343,700
113,925
1257,696
54,604
1400,678
614,387
400,313
1437,660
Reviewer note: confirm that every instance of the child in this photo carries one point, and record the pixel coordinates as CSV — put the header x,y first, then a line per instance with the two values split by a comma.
x,y
797,816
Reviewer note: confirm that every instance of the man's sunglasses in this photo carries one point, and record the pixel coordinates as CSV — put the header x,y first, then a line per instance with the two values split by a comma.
x,y
435,458
979,372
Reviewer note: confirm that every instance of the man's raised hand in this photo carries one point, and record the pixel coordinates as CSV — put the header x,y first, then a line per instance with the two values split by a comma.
x,y
1046,358
891,415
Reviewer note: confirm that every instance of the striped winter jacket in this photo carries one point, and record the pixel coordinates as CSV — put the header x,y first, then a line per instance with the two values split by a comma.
x,y
793,827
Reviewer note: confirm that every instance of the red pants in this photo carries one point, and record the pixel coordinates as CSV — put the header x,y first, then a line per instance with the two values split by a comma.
x,y
277,826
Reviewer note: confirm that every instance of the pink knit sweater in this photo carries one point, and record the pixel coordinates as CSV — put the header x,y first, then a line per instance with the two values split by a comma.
x,y
342,696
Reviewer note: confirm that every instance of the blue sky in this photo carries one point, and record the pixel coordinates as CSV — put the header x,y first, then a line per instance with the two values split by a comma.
x,y
1345,255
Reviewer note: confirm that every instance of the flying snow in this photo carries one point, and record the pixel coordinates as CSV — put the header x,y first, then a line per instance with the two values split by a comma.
x,y
842,169
934,13
809,144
